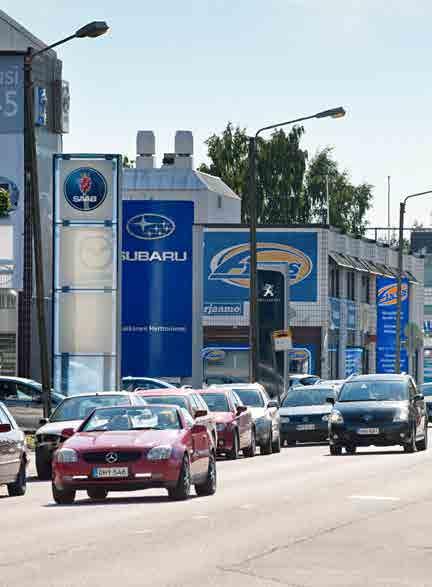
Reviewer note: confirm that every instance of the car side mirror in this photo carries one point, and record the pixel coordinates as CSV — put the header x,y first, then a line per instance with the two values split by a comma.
x,y
198,429
67,432
241,410
43,421
418,397
200,413
330,400
5,427
273,404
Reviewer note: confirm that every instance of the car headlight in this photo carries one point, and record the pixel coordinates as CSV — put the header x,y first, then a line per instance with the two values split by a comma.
x,y
326,418
401,416
336,417
220,427
66,455
159,453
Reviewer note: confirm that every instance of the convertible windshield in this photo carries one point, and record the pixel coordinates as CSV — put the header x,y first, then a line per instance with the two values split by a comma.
x,y
250,397
133,418
366,391
172,400
217,402
305,397
79,407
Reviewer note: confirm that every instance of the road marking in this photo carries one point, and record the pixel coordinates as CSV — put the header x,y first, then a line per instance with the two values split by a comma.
x,y
375,497
143,532
200,517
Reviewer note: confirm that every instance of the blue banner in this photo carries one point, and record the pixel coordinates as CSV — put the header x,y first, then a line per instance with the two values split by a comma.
x,y
227,263
353,361
386,299
157,288
351,315
335,314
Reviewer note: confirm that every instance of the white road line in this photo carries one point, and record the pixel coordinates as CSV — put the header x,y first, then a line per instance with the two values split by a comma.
x,y
375,497
200,517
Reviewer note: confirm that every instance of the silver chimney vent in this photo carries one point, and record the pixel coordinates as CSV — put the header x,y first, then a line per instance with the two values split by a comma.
x,y
145,146
184,149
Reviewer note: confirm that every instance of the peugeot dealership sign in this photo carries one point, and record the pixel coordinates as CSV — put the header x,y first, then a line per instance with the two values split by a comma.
x,y
87,229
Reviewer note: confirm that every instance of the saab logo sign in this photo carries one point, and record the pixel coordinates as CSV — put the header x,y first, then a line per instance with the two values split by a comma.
x,y
150,226
85,189
232,265
213,355
387,295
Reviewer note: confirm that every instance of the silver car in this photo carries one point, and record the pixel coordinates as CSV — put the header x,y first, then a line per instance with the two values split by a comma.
x,y
70,414
13,454
265,414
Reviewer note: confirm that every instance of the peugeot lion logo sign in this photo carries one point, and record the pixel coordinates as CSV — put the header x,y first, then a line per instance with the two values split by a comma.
x,y
85,189
150,226
111,458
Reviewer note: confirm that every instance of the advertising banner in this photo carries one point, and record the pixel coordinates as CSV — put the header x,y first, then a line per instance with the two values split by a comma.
x,y
335,314
353,361
12,152
386,323
351,315
87,219
157,288
227,264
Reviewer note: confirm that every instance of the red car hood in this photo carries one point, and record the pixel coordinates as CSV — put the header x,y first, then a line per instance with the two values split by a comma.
x,y
122,439
222,417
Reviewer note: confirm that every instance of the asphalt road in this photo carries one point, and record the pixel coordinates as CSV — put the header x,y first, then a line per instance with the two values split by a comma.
x,y
301,518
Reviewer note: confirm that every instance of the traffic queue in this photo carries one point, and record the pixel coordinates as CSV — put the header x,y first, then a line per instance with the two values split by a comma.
x,y
155,435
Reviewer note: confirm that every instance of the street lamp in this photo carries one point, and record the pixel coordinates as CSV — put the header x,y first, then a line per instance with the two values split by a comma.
x,y
402,208
253,295
92,30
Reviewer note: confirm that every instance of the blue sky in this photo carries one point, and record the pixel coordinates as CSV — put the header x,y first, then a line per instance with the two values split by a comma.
x,y
198,63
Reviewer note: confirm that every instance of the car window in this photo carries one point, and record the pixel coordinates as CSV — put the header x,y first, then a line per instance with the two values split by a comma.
x,y
172,400
116,419
309,380
250,397
8,391
4,417
307,397
194,402
369,390
236,400
188,418
79,407
426,389
25,393
217,402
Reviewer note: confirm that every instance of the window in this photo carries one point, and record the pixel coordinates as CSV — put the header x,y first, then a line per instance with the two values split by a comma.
x,y
334,279
364,292
3,417
236,400
188,418
350,281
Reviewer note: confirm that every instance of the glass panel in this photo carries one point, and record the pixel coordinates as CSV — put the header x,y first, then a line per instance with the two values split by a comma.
x,y
91,320
87,257
80,374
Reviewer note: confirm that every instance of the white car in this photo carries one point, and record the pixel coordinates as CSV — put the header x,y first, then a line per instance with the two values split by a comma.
x,y
134,383
13,454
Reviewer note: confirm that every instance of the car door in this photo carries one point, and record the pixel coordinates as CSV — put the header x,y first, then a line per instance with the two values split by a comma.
x,y
10,450
29,406
199,447
244,422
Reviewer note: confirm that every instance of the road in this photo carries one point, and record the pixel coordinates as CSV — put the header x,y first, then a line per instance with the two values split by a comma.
x,y
301,518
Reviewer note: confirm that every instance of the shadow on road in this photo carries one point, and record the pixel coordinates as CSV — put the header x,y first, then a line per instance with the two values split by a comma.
x,y
369,454
143,500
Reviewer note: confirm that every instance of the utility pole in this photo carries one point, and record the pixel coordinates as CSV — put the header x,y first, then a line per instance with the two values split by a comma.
x,y
253,297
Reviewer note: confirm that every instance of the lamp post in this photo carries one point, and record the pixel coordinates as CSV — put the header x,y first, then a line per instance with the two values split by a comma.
x,y
402,208
253,214
92,30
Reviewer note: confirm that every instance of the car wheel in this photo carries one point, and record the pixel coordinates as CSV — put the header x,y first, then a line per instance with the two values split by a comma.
x,y
63,496
335,450
20,485
233,454
410,446
43,468
97,493
276,445
182,490
350,450
251,450
209,486
422,444
266,449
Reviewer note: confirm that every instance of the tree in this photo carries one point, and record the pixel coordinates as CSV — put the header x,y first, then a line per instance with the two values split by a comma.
x,y
128,163
5,202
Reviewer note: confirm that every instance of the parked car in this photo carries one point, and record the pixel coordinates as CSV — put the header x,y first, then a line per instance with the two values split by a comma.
x,y
23,398
154,446
71,413
13,454
190,400
235,427
219,379
265,415
304,414
426,390
378,410
133,383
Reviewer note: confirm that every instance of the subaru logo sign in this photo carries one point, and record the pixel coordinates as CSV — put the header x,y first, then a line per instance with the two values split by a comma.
x,y
150,226
85,189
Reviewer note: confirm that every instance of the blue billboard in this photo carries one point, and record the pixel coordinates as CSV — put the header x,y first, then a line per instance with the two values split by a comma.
x,y
386,299
351,315
157,288
227,264
353,361
335,313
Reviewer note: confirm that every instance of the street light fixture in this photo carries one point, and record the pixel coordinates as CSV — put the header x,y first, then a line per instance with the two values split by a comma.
x,y
253,292
402,208
92,30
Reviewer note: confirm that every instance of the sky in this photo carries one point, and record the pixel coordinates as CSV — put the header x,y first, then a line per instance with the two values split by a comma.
x,y
197,64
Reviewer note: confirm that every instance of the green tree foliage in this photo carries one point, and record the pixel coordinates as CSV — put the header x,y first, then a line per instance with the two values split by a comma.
x,y
288,190
127,162
4,202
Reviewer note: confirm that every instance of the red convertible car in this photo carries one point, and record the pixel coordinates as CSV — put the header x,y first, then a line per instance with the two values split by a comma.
x,y
132,448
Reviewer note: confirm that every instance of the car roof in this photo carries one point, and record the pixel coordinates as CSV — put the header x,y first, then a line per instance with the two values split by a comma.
x,y
379,377
256,386
100,393
315,386
163,391
214,389
18,379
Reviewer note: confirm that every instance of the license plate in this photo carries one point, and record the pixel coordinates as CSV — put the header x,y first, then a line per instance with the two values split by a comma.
x,y
305,427
104,472
368,431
